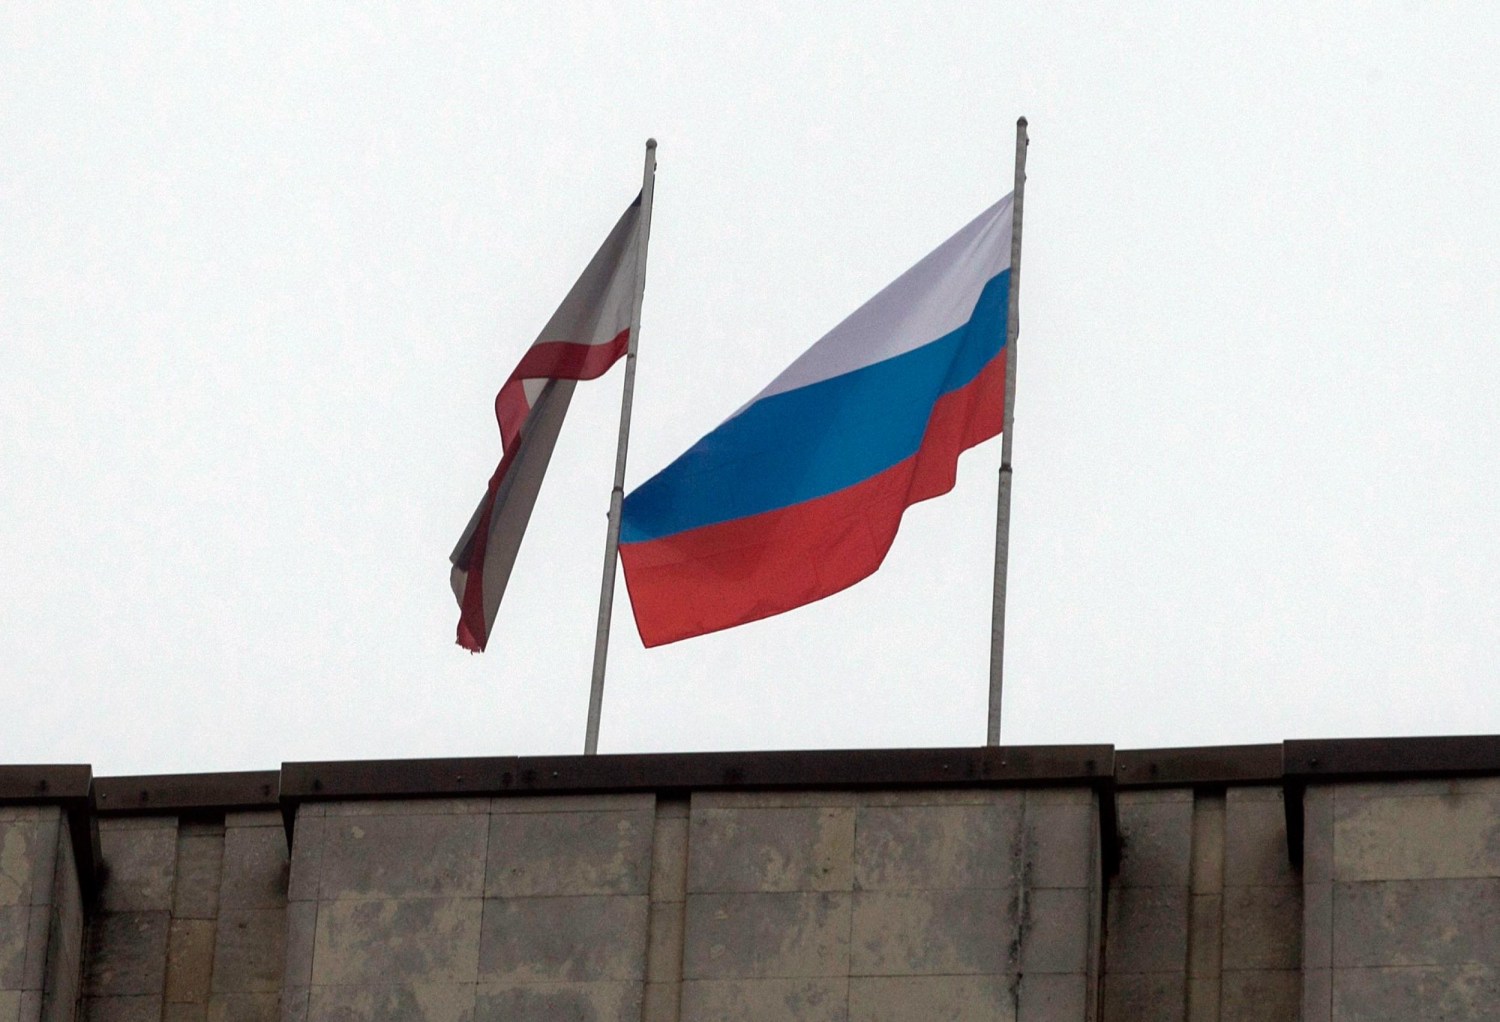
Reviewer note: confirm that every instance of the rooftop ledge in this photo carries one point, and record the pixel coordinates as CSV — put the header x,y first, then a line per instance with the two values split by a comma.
x,y
1291,762
1292,765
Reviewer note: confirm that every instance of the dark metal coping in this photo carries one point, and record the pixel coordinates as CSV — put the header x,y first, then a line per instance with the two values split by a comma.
x,y
699,771
70,787
1392,758
163,793
1292,764
1308,761
1204,765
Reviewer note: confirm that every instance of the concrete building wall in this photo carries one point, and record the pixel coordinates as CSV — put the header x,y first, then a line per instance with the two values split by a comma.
x,y
41,916
878,907
1402,901
191,920
456,909
1204,921
1319,881
731,906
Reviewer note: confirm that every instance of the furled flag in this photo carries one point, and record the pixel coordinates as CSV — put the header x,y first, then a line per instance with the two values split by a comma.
x,y
799,494
587,334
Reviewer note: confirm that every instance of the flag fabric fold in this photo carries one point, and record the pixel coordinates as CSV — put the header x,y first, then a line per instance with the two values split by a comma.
x,y
800,493
587,334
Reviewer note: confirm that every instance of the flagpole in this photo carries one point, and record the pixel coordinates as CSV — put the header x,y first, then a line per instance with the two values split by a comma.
x,y
1002,513
617,493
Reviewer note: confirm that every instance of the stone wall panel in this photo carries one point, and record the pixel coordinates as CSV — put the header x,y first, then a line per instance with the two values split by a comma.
x,y
1417,922
200,860
382,857
932,932
399,942
140,860
1057,932
1145,997
1416,837
738,936
1053,997
1060,841
127,954
254,868
932,998
190,961
1464,993
563,940
250,954
823,999
1262,928
392,1002
753,849
916,847
1256,995
558,1002
538,854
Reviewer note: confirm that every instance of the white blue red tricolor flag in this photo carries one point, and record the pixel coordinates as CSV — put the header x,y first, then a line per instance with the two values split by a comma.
x,y
585,336
799,494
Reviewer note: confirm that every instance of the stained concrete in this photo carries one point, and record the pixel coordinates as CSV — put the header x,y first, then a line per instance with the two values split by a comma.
x,y
890,905
41,916
846,905
1205,921
756,905
471,909
1401,918
190,922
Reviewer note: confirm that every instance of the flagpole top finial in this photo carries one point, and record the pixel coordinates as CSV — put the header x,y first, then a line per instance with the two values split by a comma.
x,y
650,143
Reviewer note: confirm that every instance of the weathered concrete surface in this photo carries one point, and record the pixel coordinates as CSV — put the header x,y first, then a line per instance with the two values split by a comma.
x,y
666,937
41,916
822,905
388,858
191,920
1206,916
853,906
1402,909
540,847
1146,958
460,909
977,904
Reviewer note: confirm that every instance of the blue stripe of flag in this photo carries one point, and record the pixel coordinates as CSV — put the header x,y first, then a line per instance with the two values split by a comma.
x,y
820,439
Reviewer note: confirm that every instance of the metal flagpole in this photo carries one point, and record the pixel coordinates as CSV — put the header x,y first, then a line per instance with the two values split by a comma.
x,y
1002,514
617,494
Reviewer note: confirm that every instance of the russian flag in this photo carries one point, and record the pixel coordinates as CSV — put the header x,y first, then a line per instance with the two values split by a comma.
x,y
800,493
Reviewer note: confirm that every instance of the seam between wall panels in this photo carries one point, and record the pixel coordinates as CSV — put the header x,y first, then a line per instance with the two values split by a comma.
x,y
317,912
312,960
1104,882
484,902
1189,973
55,894
213,954
1219,819
666,809
173,931
1021,878
1093,976
854,887
1210,814
174,940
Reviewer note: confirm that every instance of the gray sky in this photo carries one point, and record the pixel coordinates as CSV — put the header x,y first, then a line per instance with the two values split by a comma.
x,y
263,268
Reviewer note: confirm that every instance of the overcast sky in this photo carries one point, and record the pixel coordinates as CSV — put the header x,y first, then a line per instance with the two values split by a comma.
x,y
263,268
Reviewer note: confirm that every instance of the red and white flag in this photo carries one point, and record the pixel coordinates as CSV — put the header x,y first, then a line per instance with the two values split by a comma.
x,y
585,336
